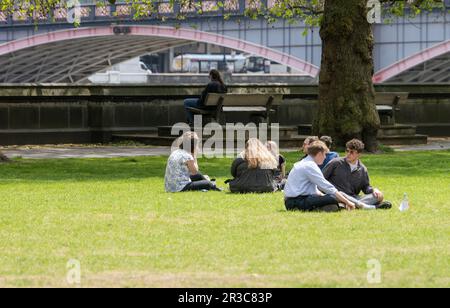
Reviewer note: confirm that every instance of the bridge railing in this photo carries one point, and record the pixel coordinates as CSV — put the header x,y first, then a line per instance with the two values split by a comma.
x,y
123,11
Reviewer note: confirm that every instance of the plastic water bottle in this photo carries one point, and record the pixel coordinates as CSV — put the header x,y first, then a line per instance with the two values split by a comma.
x,y
404,206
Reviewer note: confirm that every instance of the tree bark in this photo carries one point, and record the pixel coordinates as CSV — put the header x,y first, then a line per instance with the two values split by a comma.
x,y
346,93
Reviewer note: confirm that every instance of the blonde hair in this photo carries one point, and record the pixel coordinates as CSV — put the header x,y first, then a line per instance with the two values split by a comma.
x,y
272,146
258,156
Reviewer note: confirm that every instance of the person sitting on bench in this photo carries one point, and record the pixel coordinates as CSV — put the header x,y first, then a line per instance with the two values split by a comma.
x,y
216,85
349,175
254,170
182,172
304,181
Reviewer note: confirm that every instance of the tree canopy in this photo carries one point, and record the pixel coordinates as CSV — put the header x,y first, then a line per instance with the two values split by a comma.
x,y
308,11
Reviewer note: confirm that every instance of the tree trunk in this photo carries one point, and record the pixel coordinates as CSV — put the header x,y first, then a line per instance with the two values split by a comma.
x,y
346,93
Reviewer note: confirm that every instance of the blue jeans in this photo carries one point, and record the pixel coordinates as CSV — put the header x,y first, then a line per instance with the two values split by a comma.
x,y
192,103
309,203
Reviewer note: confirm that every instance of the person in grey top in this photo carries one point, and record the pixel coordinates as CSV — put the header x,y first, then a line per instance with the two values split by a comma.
x,y
350,176
182,172
304,181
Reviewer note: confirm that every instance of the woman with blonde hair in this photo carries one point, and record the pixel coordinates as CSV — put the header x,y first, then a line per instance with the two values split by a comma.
x,y
182,171
254,171
272,146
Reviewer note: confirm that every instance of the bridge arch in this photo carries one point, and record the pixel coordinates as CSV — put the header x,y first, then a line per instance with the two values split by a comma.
x,y
74,54
412,61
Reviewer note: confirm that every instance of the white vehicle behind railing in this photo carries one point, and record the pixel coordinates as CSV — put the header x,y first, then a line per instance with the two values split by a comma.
x,y
133,71
198,63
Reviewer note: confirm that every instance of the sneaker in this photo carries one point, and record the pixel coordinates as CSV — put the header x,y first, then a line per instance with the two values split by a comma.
x,y
386,205
342,206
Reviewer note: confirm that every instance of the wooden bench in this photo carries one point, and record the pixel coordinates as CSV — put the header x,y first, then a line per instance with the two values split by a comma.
x,y
259,105
388,105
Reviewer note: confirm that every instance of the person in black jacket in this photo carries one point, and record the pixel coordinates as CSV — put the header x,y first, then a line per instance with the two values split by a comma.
x,y
215,86
254,171
350,176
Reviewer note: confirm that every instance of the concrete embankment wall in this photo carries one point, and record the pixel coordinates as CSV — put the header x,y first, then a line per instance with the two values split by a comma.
x,y
37,114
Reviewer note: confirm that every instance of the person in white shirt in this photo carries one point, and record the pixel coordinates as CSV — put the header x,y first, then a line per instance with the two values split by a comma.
x,y
304,181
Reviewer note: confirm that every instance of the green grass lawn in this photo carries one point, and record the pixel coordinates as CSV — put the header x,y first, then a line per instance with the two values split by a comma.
x,y
115,218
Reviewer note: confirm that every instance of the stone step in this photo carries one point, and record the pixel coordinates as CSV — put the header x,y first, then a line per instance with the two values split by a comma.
x,y
386,130
398,134
397,130
148,139
166,131
295,141
404,140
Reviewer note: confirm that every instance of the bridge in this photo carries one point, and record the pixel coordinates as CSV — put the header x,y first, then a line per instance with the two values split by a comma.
x,y
406,50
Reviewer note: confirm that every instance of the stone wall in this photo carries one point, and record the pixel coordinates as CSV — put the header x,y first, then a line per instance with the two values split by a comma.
x,y
37,114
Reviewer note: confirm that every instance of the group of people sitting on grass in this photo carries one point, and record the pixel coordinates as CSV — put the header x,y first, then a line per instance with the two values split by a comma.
x,y
320,181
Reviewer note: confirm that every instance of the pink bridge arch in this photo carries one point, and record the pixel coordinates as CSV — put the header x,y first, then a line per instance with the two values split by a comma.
x,y
411,61
163,32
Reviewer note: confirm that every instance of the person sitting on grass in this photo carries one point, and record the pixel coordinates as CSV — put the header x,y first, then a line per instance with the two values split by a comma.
x,y
330,155
349,175
280,173
216,85
304,181
254,171
306,144
182,172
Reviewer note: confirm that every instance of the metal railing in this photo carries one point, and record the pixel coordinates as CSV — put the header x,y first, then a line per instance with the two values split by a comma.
x,y
91,12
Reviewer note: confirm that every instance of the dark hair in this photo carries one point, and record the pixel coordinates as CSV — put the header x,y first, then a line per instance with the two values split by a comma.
x,y
317,147
189,142
355,145
327,140
215,76
311,139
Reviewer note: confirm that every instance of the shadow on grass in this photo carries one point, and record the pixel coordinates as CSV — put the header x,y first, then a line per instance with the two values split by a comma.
x,y
405,164
115,169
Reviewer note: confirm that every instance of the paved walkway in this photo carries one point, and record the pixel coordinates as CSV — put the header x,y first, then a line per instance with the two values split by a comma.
x,y
83,152
433,144
62,151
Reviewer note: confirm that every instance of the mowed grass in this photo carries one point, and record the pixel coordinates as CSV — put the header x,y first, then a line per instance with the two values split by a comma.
x,y
115,218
